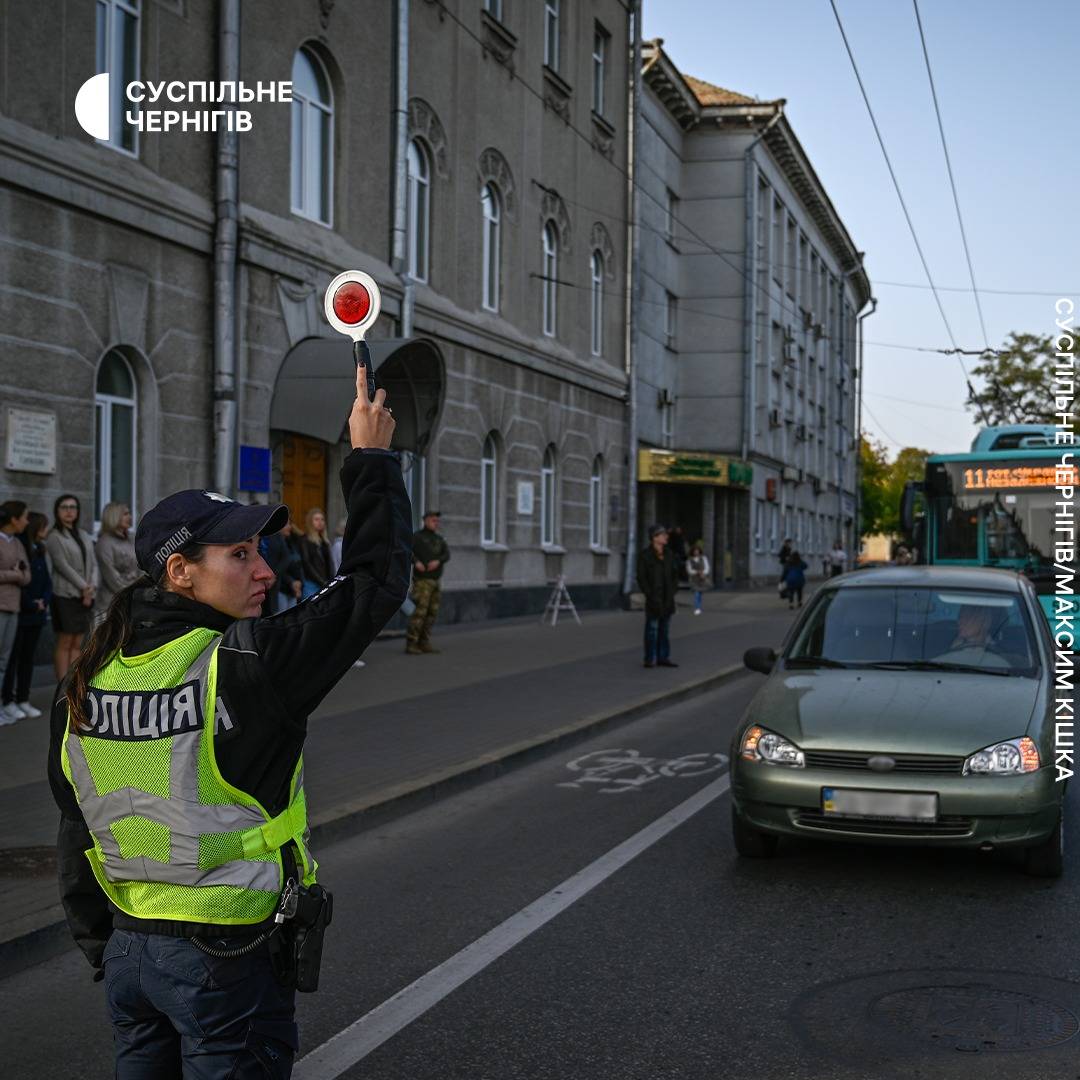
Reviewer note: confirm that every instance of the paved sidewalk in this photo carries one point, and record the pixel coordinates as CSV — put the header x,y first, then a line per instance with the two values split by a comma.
x,y
406,725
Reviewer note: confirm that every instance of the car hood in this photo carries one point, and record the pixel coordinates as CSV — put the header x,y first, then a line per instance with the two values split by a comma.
x,y
913,712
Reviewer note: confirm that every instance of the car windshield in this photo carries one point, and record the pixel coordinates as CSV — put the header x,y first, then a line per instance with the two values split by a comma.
x,y
935,629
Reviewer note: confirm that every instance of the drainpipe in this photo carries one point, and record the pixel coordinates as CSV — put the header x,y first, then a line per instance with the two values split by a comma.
x,y
401,133
858,417
750,263
225,234
634,301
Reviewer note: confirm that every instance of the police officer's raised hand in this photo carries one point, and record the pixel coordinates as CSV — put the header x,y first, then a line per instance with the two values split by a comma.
x,y
371,423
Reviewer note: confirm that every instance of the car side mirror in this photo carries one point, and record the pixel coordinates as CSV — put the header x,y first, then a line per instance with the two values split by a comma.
x,y
761,658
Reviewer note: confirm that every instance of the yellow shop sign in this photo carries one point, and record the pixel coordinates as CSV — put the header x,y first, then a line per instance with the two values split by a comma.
x,y
692,467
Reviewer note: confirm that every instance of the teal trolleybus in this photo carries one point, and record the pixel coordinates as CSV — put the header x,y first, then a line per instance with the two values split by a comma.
x,y
993,506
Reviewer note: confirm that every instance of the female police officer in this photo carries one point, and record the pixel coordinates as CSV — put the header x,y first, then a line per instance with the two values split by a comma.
x,y
176,762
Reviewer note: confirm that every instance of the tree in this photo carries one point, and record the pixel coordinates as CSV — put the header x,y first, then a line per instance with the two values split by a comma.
x,y
1016,382
881,484
873,485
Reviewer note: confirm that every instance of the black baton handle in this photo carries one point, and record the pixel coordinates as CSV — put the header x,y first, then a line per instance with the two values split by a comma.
x,y
362,356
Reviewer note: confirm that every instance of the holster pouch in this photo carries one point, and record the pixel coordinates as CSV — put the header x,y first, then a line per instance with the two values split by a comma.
x,y
296,949
313,915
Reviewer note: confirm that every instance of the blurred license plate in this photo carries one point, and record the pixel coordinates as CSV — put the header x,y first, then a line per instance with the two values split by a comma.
x,y
896,805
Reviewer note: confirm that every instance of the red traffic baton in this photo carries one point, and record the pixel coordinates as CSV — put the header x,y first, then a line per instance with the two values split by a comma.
x,y
352,304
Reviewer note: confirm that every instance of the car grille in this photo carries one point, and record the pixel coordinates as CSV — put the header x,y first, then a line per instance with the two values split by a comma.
x,y
906,763
944,826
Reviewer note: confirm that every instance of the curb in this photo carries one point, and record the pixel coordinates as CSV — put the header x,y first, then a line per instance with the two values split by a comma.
x,y
346,819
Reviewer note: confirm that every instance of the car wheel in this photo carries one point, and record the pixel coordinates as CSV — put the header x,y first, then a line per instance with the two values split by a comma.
x,y
752,843
1048,858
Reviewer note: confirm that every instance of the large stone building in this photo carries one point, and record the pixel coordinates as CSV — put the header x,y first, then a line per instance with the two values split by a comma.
x,y
747,358
161,293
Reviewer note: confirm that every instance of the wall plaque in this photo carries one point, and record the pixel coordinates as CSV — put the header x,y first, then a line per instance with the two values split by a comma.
x,y
31,440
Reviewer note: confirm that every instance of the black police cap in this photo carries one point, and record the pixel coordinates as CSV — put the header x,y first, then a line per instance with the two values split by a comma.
x,y
200,517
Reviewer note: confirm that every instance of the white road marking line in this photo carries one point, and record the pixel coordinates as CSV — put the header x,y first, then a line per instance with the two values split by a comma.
x,y
360,1038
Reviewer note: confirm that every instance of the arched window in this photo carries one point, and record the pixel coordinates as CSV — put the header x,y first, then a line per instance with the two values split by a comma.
x,y
596,276
547,498
312,153
551,273
419,210
114,428
489,491
491,206
596,503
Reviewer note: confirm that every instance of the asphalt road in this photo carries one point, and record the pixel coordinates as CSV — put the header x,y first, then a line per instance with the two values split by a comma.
x,y
572,955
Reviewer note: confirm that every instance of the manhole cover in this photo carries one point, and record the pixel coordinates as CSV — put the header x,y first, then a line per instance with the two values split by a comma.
x,y
27,862
975,1017
899,1019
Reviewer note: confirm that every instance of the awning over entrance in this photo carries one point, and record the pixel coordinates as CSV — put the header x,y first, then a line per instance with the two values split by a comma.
x,y
317,383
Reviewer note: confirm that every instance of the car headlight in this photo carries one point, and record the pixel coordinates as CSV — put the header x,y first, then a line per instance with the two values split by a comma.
x,y
761,744
1004,759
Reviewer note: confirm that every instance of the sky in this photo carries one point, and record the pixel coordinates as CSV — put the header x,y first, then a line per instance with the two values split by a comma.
x,y
1001,70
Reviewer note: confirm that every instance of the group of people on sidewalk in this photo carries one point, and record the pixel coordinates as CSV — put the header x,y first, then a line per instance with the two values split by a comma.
x,y
54,572
793,569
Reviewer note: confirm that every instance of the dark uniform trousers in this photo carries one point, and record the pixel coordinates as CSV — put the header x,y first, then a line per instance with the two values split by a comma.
x,y
179,1013
426,594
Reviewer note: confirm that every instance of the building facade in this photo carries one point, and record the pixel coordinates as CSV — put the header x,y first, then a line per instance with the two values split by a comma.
x,y
143,360
747,347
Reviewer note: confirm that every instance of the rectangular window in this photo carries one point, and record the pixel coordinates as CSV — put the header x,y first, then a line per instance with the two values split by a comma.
x,y
551,34
551,268
774,526
117,52
596,510
547,505
759,524
789,258
671,214
667,422
776,255
487,500
670,313
494,8
761,247
601,39
804,273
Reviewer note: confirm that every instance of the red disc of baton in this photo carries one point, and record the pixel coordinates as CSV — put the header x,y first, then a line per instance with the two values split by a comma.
x,y
352,303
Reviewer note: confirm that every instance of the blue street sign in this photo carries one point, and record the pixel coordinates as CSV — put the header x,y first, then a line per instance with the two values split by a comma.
x,y
254,469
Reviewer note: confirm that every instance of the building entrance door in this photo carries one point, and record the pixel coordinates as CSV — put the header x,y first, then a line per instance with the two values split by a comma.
x,y
303,475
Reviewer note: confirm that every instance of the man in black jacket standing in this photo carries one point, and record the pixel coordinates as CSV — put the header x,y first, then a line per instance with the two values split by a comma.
x,y
657,579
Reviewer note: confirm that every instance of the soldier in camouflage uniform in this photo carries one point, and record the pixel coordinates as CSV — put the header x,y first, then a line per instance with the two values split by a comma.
x,y
430,554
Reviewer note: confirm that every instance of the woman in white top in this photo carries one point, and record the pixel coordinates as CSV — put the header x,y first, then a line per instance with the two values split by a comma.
x,y
697,569
75,582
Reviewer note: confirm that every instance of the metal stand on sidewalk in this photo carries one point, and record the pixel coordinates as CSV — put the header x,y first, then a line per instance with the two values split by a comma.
x,y
559,601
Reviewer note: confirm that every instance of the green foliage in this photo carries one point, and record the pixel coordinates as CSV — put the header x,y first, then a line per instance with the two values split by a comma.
x,y
881,484
1016,383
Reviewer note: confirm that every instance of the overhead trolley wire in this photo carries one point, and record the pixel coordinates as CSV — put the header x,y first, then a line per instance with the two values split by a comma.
x,y
952,179
956,350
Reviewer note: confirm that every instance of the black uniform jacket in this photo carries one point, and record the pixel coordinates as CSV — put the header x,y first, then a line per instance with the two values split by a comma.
x,y
272,673
657,579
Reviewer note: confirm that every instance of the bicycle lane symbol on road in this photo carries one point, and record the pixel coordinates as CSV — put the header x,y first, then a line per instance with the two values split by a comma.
x,y
619,771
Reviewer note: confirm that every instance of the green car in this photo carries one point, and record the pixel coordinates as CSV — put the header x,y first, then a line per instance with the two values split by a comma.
x,y
908,705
